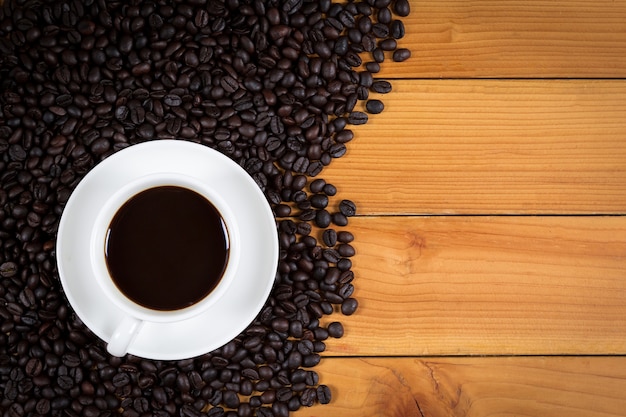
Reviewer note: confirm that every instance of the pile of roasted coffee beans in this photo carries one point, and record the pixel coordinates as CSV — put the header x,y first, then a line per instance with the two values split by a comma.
x,y
273,84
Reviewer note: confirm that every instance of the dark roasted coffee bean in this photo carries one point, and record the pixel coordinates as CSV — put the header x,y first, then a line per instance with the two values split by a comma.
x,y
335,329
172,100
15,410
121,113
384,15
43,406
346,290
229,84
322,218
381,86
280,409
346,250
264,412
401,54
339,219
201,18
319,201
317,185
388,44
8,269
357,118
345,237
402,7
397,29
349,306
374,106
65,382
329,237
338,150
33,367
146,131
100,146
378,55
308,397
347,208
231,399
344,136
312,360
323,394
330,190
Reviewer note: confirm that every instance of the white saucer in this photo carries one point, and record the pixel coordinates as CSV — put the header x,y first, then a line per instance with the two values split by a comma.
x,y
243,300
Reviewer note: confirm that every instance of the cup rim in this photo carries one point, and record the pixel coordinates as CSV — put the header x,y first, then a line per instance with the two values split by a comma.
x,y
99,235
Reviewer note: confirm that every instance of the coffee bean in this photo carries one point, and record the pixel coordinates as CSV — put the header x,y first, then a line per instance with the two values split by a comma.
x,y
397,29
347,208
100,146
339,219
329,237
379,55
323,394
388,44
319,201
335,329
322,218
308,397
345,237
8,269
146,131
229,84
374,106
349,306
381,86
401,7
15,410
402,54
172,100
43,406
357,118
71,360
121,113
33,367
137,113
121,379
231,399
65,382
329,189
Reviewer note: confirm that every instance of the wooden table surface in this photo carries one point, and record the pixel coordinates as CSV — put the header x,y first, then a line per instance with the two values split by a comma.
x,y
491,232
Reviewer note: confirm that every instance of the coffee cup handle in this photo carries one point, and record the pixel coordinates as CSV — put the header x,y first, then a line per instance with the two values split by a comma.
x,y
123,335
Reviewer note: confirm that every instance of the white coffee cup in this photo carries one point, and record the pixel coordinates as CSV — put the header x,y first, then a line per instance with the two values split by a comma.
x,y
136,315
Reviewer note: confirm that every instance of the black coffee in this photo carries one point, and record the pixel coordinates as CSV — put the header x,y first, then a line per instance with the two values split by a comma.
x,y
167,248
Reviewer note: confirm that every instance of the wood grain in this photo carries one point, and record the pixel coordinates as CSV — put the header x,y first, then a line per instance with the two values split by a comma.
x,y
490,146
487,285
473,387
516,38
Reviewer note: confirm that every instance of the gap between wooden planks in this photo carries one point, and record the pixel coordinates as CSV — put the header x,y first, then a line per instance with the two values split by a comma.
x,y
473,387
496,285
490,146
516,38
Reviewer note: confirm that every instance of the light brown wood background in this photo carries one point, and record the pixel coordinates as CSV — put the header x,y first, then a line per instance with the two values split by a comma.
x,y
491,237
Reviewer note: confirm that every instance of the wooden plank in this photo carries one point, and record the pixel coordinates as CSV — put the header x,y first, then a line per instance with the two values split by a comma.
x,y
473,387
453,285
517,38
490,146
